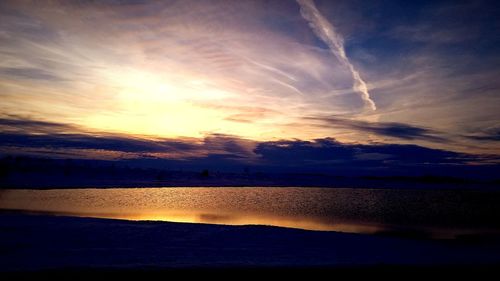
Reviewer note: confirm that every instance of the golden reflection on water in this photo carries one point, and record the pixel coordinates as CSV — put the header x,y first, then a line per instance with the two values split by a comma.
x,y
326,209
285,207
302,208
253,219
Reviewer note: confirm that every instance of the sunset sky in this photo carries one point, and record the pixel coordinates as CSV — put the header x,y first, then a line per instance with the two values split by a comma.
x,y
78,77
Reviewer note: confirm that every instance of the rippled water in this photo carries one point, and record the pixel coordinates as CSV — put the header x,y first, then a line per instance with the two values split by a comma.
x,y
443,213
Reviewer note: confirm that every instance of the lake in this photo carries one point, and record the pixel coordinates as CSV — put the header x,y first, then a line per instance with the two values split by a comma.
x,y
426,213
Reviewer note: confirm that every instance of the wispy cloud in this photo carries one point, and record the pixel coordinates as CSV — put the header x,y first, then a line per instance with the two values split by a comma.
x,y
18,124
390,129
487,134
324,30
30,73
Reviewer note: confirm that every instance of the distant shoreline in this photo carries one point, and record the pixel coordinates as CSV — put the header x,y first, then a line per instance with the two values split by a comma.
x,y
116,186
379,183
45,173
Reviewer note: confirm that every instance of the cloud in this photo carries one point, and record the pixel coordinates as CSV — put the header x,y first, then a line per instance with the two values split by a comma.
x,y
101,146
325,30
389,129
26,125
30,73
231,152
490,134
330,152
19,133
80,141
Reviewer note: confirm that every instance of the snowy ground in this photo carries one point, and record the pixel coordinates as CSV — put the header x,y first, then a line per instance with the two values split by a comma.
x,y
39,242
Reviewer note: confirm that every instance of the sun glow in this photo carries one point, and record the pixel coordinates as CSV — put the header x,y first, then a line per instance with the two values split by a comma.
x,y
145,103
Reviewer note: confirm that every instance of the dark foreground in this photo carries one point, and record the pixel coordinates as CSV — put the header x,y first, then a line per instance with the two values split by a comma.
x,y
48,244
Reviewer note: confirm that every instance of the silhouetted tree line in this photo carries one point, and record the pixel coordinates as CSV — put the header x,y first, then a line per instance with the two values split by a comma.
x,y
21,171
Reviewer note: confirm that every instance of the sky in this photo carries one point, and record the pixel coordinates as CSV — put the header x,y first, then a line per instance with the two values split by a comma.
x,y
198,79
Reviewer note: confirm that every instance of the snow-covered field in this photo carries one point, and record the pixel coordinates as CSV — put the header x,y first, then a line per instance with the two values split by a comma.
x,y
40,242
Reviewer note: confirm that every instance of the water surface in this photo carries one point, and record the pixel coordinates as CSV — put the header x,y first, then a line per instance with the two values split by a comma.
x,y
439,213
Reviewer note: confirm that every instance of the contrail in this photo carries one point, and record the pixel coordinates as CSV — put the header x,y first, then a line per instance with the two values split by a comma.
x,y
326,32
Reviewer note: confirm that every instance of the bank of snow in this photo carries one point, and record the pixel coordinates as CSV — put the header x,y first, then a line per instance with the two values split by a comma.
x,y
36,242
